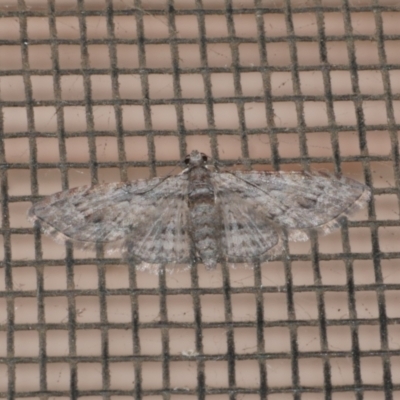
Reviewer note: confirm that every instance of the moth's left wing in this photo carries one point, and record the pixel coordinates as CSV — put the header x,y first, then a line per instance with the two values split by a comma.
x,y
138,215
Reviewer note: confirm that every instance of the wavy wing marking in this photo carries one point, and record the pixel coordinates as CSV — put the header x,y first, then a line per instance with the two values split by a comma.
x,y
247,233
162,236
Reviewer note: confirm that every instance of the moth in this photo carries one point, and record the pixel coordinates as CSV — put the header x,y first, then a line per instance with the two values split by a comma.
x,y
200,214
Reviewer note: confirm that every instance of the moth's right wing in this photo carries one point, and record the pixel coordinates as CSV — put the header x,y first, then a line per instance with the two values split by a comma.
x,y
303,201
293,201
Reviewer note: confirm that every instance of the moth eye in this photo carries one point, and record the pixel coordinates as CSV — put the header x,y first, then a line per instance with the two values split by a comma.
x,y
204,157
187,159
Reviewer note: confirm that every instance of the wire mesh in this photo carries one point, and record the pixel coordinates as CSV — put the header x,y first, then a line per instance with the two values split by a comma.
x,y
98,91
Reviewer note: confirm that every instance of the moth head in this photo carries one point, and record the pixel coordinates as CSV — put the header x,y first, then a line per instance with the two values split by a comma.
x,y
196,159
